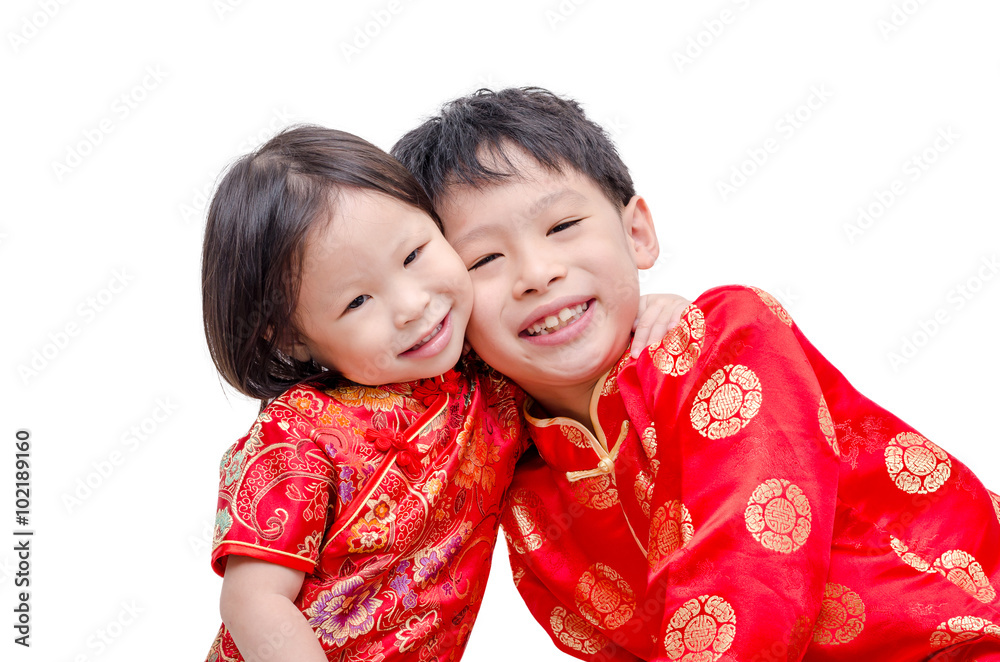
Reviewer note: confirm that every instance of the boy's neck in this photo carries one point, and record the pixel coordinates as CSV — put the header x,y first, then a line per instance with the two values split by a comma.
x,y
570,402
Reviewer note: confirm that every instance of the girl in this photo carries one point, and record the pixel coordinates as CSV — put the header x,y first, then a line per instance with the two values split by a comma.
x,y
357,517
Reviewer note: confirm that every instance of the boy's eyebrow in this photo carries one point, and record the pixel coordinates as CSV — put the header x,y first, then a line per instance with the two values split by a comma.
x,y
533,210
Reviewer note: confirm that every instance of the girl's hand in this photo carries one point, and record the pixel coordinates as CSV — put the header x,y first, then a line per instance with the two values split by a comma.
x,y
658,313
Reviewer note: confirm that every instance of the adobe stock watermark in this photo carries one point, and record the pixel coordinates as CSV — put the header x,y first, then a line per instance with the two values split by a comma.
x,y
561,12
223,8
85,312
101,470
101,639
786,128
913,168
711,30
366,33
196,207
32,23
201,544
121,108
955,300
899,16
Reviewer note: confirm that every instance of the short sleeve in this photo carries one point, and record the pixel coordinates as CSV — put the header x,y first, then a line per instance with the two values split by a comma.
x,y
275,494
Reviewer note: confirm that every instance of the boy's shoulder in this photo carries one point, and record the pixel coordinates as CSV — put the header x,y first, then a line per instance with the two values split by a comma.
x,y
718,326
742,304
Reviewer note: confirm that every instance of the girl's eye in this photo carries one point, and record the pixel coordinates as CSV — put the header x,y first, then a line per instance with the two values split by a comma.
x,y
358,301
412,256
484,261
563,226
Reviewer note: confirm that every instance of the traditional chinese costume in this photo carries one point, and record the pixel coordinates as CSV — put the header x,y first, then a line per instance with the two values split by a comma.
x,y
388,499
740,500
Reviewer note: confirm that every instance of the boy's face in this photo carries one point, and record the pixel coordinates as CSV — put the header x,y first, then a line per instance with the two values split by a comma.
x,y
554,272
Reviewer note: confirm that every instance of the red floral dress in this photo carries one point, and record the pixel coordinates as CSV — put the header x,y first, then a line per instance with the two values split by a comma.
x,y
388,499
740,500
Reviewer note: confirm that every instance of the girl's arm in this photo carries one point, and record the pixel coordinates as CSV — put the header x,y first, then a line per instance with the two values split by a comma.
x,y
258,608
658,313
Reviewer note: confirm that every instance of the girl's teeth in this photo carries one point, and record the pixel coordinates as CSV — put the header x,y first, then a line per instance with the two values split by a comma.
x,y
424,341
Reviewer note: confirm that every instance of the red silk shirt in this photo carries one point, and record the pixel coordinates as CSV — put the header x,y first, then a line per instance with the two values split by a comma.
x,y
388,498
739,500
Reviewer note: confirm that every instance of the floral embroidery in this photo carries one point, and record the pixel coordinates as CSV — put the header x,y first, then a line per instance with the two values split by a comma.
x,y
223,521
417,629
368,535
403,585
479,454
383,509
346,488
346,611
428,563
305,402
381,398
310,546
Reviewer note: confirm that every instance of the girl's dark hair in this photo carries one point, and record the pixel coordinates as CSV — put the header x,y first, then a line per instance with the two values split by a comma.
x,y
448,149
258,221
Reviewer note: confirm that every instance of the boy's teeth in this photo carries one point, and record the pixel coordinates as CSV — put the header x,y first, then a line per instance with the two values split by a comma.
x,y
553,323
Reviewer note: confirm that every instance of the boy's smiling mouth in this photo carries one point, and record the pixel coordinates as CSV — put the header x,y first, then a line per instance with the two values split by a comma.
x,y
556,320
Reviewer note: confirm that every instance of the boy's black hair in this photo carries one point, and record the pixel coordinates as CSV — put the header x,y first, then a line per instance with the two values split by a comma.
x,y
451,148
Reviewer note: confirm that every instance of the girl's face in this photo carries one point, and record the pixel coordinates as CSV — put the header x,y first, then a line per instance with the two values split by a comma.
x,y
383,296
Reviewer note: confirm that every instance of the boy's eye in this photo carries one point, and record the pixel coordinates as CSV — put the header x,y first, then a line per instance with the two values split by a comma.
x,y
563,226
358,301
484,261
412,256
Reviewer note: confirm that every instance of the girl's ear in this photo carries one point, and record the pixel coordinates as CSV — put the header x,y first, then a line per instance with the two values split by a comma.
x,y
292,346
298,351
637,222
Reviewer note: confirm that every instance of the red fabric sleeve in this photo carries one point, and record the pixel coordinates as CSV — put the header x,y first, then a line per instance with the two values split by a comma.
x,y
746,487
274,494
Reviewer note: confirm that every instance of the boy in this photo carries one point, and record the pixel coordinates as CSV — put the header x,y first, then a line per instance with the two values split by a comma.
x,y
727,494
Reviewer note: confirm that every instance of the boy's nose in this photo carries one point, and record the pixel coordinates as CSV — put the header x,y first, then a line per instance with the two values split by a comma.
x,y
537,275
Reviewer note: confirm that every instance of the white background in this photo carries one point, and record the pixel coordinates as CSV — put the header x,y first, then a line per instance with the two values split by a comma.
x,y
230,74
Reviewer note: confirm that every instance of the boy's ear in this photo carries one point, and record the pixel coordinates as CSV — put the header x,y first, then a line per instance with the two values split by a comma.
x,y
637,222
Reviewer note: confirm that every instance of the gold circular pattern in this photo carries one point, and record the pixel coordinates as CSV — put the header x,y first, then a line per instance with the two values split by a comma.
x,y
677,353
604,598
915,464
575,632
701,630
596,492
648,440
773,304
643,491
963,628
778,515
726,402
909,558
574,436
529,522
827,427
669,529
841,617
962,569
